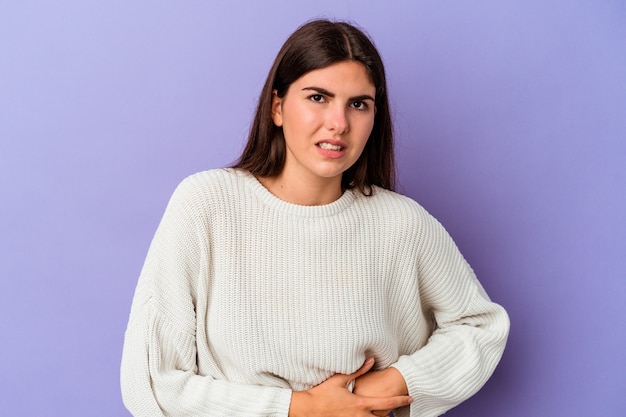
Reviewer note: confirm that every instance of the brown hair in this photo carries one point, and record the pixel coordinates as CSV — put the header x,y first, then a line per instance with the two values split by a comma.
x,y
316,45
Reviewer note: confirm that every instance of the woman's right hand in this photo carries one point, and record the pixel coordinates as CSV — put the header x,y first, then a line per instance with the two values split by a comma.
x,y
333,398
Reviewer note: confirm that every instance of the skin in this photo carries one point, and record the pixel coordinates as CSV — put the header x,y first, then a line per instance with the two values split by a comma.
x,y
332,105
384,383
327,116
333,398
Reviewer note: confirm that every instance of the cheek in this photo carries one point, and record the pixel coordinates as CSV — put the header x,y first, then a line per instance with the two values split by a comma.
x,y
364,128
309,119
299,116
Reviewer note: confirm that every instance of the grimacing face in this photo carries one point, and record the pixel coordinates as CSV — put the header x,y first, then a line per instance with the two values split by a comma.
x,y
327,116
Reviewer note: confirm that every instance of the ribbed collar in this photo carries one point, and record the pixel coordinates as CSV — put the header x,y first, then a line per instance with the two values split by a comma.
x,y
269,199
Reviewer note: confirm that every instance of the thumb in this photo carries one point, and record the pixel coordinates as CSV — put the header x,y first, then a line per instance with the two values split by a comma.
x,y
367,365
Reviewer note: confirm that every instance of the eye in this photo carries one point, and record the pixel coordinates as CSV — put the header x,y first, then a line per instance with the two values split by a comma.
x,y
318,98
359,105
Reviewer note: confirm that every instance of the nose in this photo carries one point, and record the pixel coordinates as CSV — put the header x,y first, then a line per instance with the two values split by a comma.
x,y
337,120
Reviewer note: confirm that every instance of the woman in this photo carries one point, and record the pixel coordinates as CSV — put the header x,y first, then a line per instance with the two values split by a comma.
x,y
296,283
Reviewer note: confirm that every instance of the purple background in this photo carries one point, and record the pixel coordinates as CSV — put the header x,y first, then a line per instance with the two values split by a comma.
x,y
511,122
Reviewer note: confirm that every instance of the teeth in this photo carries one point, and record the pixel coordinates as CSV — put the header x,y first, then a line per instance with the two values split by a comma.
x,y
328,146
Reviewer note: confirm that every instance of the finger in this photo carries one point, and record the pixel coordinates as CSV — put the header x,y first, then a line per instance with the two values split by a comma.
x,y
367,365
388,403
385,413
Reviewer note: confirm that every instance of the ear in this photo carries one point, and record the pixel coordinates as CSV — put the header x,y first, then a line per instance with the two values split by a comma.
x,y
277,115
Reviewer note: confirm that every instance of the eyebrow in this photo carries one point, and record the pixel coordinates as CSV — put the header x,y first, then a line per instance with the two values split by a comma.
x,y
329,94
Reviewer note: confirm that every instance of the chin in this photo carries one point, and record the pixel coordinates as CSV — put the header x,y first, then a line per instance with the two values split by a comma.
x,y
330,174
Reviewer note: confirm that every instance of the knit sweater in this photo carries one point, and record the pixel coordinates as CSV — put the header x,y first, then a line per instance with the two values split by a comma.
x,y
245,298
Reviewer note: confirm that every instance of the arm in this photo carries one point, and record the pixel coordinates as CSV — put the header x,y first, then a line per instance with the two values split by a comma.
x,y
469,334
470,331
159,371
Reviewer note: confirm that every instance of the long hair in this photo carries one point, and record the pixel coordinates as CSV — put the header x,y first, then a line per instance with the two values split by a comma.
x,y
315,45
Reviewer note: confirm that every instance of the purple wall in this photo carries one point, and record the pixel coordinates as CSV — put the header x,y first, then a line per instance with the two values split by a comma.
x,y
511,121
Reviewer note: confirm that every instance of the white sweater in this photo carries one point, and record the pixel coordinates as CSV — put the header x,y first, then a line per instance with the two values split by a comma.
x,y
244,297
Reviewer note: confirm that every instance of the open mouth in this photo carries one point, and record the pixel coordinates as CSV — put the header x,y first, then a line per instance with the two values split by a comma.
x,y
329,147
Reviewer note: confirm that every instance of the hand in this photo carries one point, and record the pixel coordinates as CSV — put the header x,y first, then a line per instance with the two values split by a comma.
x,y
383,383
332,398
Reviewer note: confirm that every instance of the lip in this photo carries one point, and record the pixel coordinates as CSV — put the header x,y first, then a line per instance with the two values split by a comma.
x,y
330,153
334,142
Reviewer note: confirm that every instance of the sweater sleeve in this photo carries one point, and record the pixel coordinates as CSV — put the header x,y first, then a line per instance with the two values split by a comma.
x,y
470,331
159,373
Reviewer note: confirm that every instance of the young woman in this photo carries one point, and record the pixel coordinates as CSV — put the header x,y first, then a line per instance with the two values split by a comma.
x,y
297,283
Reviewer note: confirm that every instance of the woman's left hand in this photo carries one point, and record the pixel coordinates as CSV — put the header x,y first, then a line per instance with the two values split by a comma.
x,y
383,383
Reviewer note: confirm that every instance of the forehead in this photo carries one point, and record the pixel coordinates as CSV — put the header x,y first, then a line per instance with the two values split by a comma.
x,y
347,75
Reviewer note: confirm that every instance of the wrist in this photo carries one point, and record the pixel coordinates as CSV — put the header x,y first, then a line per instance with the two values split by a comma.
x,y
396,381
298,406
387,382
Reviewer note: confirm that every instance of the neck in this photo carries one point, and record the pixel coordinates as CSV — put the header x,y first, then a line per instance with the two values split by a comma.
x,y
305,193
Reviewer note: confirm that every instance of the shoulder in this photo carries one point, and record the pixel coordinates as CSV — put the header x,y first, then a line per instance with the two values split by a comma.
x,y
213,179
395,204
402,215
209,184
205,192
